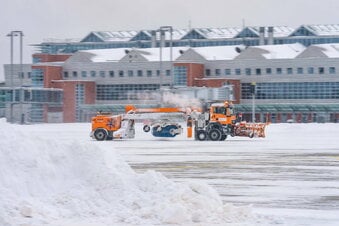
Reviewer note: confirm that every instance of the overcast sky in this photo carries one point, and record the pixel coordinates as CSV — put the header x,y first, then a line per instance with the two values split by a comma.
x,y
42,19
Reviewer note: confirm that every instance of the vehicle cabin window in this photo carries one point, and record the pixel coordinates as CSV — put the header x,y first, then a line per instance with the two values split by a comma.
x,y
220,110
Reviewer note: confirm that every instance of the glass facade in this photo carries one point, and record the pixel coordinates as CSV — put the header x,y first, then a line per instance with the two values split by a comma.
x,y
2,98
37,77
79,100
36,113
296,90
193,38
123,91
180,76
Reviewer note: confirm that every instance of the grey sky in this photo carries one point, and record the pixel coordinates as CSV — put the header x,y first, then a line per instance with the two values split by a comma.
x,y
41,19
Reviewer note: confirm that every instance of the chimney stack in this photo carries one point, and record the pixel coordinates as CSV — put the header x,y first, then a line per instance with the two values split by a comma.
x,y
154,39
270,36
262,36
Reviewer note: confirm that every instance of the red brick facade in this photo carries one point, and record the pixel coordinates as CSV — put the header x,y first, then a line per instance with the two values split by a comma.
x,y
50,73
194,71
53,79
69,101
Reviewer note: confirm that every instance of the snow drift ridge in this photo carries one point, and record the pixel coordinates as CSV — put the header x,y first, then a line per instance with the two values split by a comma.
x,y
48,182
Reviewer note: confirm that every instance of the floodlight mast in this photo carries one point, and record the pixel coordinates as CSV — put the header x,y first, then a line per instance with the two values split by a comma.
x,y
162,44
13,34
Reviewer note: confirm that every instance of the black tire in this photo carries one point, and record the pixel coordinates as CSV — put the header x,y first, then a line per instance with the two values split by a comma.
x,y
251,135
214,134
214,125
109,135
201,135
100,134
146,128
223,137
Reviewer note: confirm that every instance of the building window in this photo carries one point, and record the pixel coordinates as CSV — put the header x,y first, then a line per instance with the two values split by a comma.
x,y
37,60
123,91
158,72
258,71
217,72
102,74
238,71
180,76
279,71
93,73
331,70
38,77
208,72
300,70
139,72
321,70
168,72
292,90
84,74
75,74
29,74
111,73
65,74
248,71
21,75
289,71
268,71
149,73
79,100
227,71
310,70
121,73
130,73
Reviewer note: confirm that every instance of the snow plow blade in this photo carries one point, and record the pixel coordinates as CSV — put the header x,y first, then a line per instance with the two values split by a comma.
x,y
249,129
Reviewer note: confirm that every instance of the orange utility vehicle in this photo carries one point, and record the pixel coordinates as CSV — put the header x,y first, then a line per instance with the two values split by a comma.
x,y
214,123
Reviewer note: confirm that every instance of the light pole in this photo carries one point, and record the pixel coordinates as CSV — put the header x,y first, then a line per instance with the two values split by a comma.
x,y
252,90
12,34
162,30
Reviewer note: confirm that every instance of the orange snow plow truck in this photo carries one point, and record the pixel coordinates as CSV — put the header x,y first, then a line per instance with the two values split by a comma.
x,y
214,123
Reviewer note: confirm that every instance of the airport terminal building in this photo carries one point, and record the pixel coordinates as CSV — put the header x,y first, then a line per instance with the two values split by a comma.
x,y
295,72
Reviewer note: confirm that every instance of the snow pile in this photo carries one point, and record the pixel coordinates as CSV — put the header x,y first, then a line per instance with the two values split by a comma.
x,y
46,182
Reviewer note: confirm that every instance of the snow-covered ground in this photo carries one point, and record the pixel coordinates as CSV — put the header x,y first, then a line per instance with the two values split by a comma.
x,y
54,174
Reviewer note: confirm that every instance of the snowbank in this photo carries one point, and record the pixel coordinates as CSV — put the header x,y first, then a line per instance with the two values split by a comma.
x,y
49,182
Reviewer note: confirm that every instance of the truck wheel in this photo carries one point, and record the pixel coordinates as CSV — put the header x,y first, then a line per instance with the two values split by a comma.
x,y
146,128
100,134
214,135
109,135
251,135
201,135
223,137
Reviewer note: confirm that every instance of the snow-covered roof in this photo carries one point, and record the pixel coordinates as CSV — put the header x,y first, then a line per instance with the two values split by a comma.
x,y
218,52
286,51
110,36
153,54
330,50
177,34
105,55
60,40
211,53
207,33
324,29
216,33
